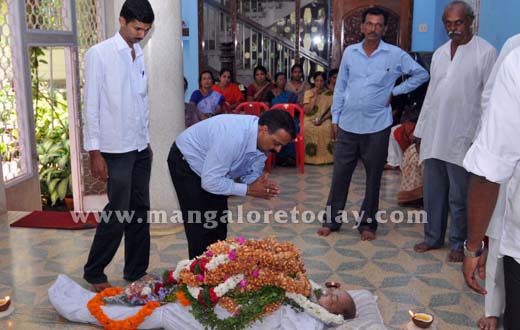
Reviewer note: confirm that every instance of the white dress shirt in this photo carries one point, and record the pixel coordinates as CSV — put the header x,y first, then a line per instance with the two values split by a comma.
x,y
495,154
116,104
495,225
451,110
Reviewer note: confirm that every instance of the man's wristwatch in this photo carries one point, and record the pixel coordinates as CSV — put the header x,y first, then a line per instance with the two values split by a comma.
x,y
473,254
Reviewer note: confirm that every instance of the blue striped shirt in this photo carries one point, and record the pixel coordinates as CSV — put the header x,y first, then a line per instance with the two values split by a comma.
x,y
364,85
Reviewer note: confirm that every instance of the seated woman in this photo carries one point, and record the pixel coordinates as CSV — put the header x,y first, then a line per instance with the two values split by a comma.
x,y
297,85
257,90
278,94
232,94
318,125
257,279
204,102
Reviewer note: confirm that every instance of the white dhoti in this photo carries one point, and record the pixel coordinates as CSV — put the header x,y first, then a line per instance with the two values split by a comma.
x,y
495,298
395,154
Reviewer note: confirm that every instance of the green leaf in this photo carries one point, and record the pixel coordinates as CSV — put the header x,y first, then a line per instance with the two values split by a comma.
x,y
62,188
52,184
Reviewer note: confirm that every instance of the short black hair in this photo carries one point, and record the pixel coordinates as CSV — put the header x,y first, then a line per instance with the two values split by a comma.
x,y
376,11
278,119
224,71
185,84
139,10
333,72
279,74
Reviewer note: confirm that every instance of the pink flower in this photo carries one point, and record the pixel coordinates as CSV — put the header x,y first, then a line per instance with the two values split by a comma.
x,y
200,277
226,277
243,284
255,273
241,240
209,254
232,255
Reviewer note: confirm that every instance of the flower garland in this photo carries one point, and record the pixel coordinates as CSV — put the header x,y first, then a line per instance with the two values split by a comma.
x,y
315,310
131,323
250,279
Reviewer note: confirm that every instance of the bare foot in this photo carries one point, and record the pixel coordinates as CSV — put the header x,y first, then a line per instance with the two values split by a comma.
x,y
367,235
98,287
455,256
324,231
423,247
488,323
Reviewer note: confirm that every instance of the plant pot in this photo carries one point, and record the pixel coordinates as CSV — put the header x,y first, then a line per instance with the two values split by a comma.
x,y
69,202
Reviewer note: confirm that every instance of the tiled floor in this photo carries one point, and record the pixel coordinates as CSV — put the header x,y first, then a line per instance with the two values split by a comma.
x,y
402,279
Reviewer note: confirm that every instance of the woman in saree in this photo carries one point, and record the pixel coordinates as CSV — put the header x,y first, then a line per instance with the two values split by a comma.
x,y
204,102
318,125
278,94
257,90
232,94
298,85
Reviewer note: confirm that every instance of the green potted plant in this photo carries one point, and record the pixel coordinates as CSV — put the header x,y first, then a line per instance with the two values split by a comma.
x,y
55,171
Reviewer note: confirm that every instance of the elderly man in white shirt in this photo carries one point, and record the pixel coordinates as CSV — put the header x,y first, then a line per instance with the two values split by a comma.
x,y
447,125
117,138
494,159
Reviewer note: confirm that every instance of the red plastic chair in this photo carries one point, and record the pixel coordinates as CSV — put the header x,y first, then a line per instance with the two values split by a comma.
x,y
299,141
252,108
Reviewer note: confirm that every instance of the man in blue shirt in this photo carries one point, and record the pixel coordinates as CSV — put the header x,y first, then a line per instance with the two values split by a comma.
x,y
220,157
361,109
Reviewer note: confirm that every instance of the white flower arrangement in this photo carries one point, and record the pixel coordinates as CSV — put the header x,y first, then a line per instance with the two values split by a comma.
x,y
315,310
146,291
217,261
183,264
194,292
228,284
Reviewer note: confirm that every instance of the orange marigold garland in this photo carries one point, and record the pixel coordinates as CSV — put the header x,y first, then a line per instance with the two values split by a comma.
x,y
181,298
131,323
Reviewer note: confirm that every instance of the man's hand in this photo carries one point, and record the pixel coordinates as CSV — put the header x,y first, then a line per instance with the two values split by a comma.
x,y
263,188
469,267
98,166
334,132
150,151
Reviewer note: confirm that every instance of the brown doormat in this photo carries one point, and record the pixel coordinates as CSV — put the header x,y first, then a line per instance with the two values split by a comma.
x,y
57,220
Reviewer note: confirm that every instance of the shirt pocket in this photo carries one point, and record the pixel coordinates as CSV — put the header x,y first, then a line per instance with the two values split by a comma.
x,y
142,84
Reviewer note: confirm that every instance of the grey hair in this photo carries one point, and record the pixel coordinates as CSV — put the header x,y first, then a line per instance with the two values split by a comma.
x,y
468,10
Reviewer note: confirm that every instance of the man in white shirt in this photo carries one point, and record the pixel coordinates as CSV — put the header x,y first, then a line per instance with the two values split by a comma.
x,y
447,125
117,138
494,159
495,297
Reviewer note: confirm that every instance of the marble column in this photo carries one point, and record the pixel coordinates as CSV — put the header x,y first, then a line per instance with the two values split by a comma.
x,y
163,56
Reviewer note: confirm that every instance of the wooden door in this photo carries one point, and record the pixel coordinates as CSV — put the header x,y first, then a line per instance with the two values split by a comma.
x,y
346,18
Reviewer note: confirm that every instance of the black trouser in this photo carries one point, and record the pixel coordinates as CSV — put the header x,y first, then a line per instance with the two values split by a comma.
x,y
372,149
203,213
128,194
512,288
